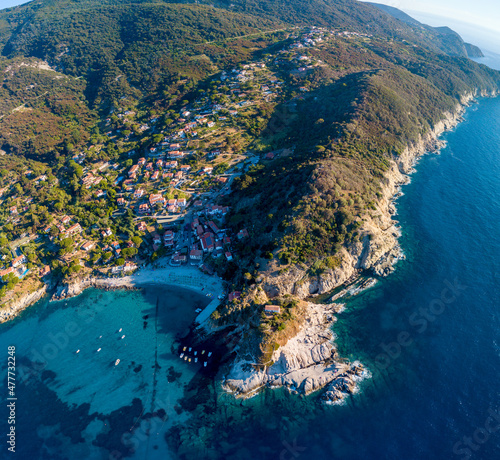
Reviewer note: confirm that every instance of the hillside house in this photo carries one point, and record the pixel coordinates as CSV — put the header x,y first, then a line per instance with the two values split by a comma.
x,y
133,171
272,310
18,261
74,229
196,256
207,242
87,246
144,208
6,272
156,198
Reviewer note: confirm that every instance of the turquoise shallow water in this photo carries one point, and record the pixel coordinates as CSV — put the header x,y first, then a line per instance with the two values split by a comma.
x,y
430,335
69,387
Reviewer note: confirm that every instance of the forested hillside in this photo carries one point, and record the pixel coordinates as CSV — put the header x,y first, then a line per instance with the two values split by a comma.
x,y
122,107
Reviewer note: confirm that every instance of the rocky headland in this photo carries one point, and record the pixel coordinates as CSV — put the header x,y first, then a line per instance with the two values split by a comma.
x,y
309,360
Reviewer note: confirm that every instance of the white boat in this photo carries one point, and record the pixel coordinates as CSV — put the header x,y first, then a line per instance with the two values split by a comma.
x,y
117,362
209,354
100,336
182,355
119,330
123,336
77,351
185,358
98,350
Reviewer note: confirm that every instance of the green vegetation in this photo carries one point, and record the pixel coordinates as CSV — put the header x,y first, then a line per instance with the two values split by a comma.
x,y
345,131
310,101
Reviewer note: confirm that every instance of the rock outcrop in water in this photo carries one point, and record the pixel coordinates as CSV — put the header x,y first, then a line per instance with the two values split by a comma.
x,y
307,363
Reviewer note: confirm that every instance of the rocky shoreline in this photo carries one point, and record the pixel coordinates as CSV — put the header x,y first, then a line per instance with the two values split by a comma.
x,y
11,311
185,277
67,291
379,249
309,361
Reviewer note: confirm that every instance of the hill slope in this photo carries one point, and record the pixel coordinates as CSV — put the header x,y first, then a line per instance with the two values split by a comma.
x,y
312,105
450,41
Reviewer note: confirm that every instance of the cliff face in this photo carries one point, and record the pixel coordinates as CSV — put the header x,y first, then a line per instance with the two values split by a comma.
x,y
447,40
378,249
74,288
473,51
309,361
10,311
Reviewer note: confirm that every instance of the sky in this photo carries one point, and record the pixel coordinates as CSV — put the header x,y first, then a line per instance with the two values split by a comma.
x,y
9,3
483,13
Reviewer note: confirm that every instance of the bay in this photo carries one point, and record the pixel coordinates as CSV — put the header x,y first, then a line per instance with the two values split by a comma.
x,y
429,334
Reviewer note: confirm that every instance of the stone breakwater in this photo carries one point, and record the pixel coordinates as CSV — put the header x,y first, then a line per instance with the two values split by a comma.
x,y
307,363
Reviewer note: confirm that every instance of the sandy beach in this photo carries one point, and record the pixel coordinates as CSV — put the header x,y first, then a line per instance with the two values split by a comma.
x,y
187,277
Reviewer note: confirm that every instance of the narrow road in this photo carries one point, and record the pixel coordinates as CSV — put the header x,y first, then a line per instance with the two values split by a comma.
x,y
248,35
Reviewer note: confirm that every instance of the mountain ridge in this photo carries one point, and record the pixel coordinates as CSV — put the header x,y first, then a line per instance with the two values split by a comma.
x,y
452,39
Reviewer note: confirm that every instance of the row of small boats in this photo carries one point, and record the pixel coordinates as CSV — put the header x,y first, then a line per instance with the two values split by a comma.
x,y
184,355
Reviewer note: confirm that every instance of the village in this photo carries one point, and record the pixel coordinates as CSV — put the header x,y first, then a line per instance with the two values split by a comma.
x,y
170,193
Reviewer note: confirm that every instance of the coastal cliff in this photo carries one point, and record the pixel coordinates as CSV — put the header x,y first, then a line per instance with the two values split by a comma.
x,y
309,361
13,309
306,363
378,250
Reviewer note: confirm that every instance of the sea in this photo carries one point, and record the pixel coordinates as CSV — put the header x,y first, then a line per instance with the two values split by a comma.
x,y
429,334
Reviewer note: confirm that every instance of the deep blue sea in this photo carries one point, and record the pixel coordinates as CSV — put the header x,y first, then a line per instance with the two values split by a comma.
x,y
429,333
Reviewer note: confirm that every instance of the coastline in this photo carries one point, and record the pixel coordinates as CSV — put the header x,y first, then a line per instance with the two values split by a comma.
x,y
186,277
379,249
9,312
309,361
